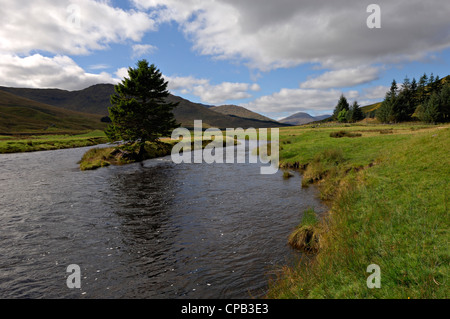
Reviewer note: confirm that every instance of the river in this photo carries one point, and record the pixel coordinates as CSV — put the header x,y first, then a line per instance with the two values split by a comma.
x,y
147,230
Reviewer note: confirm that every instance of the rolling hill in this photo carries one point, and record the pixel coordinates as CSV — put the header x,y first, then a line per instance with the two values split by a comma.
x,y
96,100
20,115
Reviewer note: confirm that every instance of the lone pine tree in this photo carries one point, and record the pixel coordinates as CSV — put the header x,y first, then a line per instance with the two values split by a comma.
x,y
139,111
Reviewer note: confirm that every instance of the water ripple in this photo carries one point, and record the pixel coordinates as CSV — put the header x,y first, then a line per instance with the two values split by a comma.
x,y
156,230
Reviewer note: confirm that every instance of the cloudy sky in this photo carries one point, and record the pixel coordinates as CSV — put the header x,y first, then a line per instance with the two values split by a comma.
x,y
273,57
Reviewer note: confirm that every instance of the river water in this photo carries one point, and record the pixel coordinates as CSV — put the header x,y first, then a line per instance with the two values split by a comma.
x,y
148,230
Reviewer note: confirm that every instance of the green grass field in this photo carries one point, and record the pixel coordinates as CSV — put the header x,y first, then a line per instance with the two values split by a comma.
x,y
388,197
31,143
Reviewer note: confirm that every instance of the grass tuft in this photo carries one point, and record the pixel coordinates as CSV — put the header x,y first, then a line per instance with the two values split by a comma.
x,y
305,237
287,175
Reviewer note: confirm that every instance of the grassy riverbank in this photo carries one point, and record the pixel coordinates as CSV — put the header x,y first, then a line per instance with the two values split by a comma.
x,y
388,192
39,142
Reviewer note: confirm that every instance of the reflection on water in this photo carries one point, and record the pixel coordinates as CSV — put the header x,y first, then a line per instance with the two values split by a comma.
x,y
149,230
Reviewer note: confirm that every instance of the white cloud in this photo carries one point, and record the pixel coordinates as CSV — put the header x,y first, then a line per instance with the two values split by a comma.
x,y
264,34
210,93
313,101
63,27
37,71
376,92
60,29
184,82
122,73
255,87
297,100
342,78
99,67
140,50
270,34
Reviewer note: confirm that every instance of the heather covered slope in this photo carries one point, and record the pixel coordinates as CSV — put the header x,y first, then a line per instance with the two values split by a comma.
x,y
94,99
18,114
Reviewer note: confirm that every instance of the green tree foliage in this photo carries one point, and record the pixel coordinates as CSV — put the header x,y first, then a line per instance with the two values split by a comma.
x,y
429,111
431,79
355,114
426,99
343,113
406,101
436,86
437,107
342,105
421,90
445,102
386,112
342,116
139,111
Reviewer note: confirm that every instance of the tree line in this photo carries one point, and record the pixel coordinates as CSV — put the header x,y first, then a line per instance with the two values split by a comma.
x,y
427,100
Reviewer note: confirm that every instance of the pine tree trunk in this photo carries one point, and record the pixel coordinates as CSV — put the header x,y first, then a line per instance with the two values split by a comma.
x,y
141,153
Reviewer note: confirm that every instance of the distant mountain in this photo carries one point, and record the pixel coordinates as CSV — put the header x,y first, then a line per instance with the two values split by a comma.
x,y
21,115
96,100
301,118
186,112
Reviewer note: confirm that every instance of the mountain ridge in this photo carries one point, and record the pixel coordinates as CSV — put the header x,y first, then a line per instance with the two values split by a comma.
x,y
235,110
95,100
